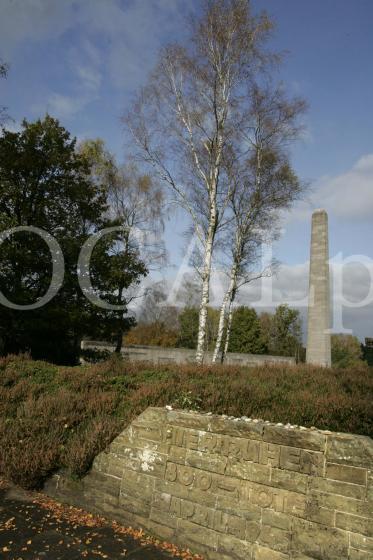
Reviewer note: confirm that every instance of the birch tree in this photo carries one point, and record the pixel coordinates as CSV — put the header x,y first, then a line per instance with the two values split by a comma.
x,y
263,185
183,120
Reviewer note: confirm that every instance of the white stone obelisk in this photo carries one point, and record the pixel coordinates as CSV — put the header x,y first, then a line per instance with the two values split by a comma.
x,y
318,338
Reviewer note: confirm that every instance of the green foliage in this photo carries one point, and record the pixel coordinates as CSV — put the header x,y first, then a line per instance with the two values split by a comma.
x,y
188,322
346,350
188,328
283,331
61,417
152,334
45,183
246,333
94,356
188,401
368,355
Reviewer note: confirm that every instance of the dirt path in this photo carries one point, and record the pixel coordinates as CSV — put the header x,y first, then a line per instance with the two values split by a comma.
x,y
34,527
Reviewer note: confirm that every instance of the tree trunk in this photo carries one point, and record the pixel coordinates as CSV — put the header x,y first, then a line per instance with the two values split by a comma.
x,y
220,327
119,341
229,324
204,303
206,282
226,300
119,335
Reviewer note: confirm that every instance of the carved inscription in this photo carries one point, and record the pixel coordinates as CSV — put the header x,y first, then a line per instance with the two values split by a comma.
x,y
206,517
201,480
247,450
278,500
225,446
230,494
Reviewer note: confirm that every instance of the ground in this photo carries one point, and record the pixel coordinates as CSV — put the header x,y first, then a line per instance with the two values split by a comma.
x,y
33,527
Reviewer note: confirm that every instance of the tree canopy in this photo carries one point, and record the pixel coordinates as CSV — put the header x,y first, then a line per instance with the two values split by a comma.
x,y
285,332
346,350
46,183
246,335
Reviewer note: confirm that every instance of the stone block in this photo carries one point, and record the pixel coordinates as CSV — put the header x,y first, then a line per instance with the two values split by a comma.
x,y
186,492
137,485
214,485
319,541
234,548
350,450
354,523
347,505
370,486
294,437
248,471
264,553
301,460
316,512
153,415
287,480
277,539
190,534
134,505
276,519
360,554
361,542
163,518
177,454
206,462
270,454
344,473
336,487
103,483
242,508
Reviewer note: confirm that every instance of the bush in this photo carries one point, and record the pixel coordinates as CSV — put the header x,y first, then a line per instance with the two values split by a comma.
x,y
346,350
152,334
94,356
61,417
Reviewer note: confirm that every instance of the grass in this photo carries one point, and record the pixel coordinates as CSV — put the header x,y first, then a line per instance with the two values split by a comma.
x,y
58,417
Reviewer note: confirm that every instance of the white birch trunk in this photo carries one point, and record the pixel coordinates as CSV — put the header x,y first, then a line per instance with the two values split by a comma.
x,y
226,300
220,327
228,331
205,290
213,222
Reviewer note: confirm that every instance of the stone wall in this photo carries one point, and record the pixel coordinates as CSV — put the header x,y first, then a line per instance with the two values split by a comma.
x,y
159,355
233,488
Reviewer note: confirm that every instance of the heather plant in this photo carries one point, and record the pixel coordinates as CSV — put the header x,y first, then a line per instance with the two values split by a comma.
x,y
55,418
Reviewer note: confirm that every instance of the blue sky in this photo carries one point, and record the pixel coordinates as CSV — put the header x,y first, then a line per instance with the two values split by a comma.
x,y
81,60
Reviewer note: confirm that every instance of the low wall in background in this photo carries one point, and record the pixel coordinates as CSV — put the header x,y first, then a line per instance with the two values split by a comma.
x,y
159,355
232,488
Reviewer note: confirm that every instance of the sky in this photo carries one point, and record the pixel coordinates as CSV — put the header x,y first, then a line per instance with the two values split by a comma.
x,y
83,60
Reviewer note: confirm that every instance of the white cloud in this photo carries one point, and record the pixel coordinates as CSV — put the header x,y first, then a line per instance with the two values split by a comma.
x,y
290,285
129,32
34,20
90,78
109,40
63,106
348,195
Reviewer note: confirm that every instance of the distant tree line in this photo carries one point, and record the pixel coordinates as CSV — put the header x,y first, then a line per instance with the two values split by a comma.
x,y
278,333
